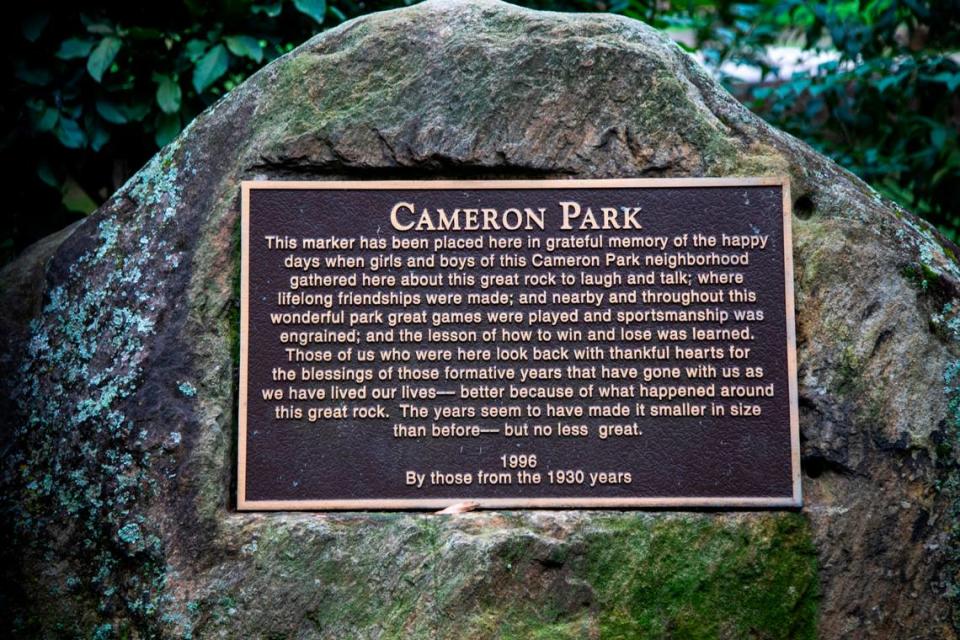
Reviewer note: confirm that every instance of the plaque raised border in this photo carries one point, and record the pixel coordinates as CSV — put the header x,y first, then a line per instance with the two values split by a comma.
x,y
746,502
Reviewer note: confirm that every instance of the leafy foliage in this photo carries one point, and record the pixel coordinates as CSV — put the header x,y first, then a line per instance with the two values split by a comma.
x,y
884,104
93,92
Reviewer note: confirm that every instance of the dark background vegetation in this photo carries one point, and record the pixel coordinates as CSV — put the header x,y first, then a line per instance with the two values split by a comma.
x,y
95,89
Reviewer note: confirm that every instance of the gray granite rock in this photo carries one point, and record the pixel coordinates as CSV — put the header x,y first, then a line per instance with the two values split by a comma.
x,y
120,349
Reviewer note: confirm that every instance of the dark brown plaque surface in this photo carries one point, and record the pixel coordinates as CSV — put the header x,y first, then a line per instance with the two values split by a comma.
x,y
562,343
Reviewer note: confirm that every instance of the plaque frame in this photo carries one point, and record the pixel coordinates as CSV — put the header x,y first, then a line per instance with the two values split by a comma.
x,y
795,501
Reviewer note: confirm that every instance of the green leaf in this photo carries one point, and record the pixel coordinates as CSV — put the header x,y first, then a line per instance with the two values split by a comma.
x,y
98,28
75,198
47,120
195,49
245,46
938,137
99,137
102,57
918,8
71,110
136,112
271,10
885,83
316,9
168,94
210,67
70,134
74,48
940,175
952,80
168,126
33,25
32,75
45,173
110,112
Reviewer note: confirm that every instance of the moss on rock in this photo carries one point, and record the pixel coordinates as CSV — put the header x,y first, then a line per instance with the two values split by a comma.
x,y
502,576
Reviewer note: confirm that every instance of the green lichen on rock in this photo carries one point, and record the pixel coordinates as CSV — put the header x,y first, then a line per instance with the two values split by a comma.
x,y
79,461
933,271
951,486
502,576
947,324
709,579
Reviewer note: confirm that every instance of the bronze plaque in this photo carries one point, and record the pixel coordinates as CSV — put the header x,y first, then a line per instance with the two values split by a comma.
x,y
556,343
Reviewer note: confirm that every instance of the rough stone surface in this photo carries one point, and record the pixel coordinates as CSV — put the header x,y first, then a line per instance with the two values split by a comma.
x,y
120,352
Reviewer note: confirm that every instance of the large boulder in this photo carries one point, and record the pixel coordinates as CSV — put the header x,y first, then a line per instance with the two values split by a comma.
x,y
120,354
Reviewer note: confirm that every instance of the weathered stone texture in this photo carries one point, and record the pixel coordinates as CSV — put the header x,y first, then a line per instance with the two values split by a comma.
x,y
120,353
